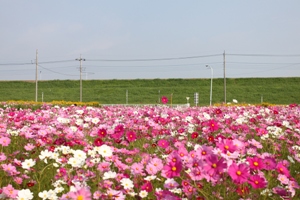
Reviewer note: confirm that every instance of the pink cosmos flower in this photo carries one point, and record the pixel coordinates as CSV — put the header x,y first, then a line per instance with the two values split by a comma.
x,y
165,194
238,173
83,193
257,182
170,184
283,179
18,180
226,145
151,169
203,151
9,169
29,147
4,141
10,192
157,163
2,157
137,168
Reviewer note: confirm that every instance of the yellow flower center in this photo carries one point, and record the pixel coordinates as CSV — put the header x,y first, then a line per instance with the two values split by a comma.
x,y
226,147
239,173
255,163
173,168
256,182
214,165
80,197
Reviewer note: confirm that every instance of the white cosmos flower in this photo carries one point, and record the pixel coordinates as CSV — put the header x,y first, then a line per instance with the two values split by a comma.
x,y
63,120
58,189
43,195
234,101
25,194
109,175
127,183
95,120
28,163
65,149
143,193
73,128
150,178
105,151
79,112
74,162
52,195
79,154
44,155
79,122
88,119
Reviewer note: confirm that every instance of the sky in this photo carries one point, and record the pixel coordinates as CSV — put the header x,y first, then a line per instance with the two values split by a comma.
x,y
137,39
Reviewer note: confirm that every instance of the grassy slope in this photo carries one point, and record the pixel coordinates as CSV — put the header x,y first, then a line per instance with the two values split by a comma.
x,y
248,90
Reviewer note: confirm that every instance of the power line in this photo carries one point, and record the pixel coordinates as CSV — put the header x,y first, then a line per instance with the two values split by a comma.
x,y
153,59
31,63
56,71
265,55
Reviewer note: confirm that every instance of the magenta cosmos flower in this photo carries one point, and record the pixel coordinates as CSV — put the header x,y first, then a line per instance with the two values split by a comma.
x,y
214,165
163,143
164,99
239,173
131,136
257,182
256,163
172,169
213,125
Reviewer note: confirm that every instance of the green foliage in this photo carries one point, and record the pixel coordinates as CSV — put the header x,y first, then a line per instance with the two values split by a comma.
x,y
149,91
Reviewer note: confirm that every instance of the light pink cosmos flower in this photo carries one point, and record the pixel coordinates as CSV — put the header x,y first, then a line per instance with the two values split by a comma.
x,y
10,192
157,162
81,193
283,179
137,168
4,141
10,169
29,147
151,169
2,157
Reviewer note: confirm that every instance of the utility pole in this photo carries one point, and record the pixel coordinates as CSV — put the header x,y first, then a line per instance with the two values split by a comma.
x,y
224,78
80,70
36,76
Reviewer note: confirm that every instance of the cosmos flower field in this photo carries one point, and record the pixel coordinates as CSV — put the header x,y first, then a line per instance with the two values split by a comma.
x,y
150,152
